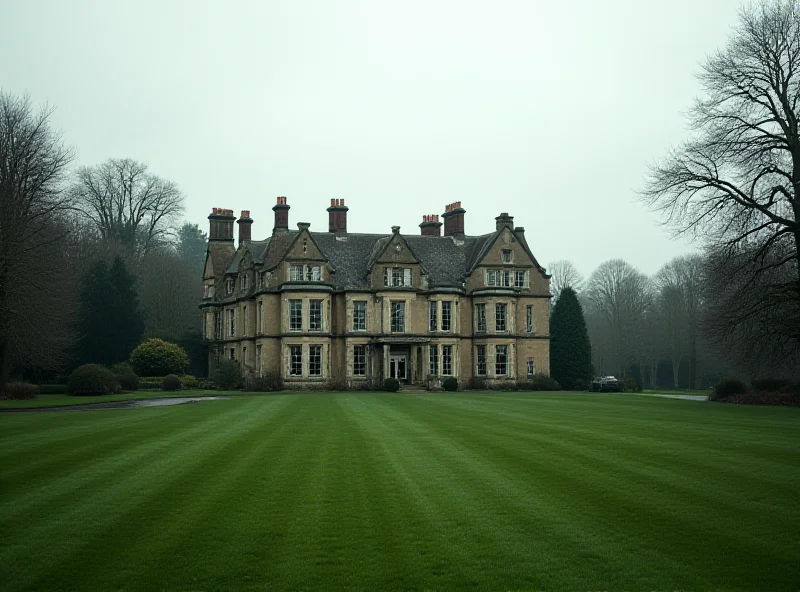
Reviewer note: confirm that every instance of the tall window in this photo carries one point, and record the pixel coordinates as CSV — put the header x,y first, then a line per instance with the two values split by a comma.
x,y
397,277
447,312
501,360
313,273
496,277
530,367
262,279
244,321
315,315
217,325
500,317
359,315
398,317
480,318
315,360
519,279
529,319
359,360
507,256
295,360
295,273
229,284
481,357
295,315
231,323
260,320
434,357
491,277
505,279
259,364
243,279
447,360
432,320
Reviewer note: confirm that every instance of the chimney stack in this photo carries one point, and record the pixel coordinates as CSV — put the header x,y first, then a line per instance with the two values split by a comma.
x,y
454,219
431,226
220,225
504,221
245,223
281,210
337,216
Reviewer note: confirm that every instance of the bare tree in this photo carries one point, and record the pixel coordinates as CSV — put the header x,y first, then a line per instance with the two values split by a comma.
x,y
128,204
679,297
564,275
34,317
618,298
735,184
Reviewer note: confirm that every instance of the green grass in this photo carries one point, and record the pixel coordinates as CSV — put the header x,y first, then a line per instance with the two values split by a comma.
x,y
403,492
65,400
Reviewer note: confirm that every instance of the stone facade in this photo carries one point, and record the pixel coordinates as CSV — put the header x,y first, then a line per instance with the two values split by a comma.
x,y
356,308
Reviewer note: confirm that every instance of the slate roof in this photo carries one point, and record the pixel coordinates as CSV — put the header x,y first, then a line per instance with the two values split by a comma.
x,y
446,260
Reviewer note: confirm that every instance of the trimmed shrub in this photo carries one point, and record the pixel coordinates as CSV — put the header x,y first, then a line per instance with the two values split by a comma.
x,y
477,384
450,384
92,380
770,385
227,375
189,382
171,383
727,388
52,389
543,382
150,383
336,384
268,383
19,391
206,384
156,357
391,385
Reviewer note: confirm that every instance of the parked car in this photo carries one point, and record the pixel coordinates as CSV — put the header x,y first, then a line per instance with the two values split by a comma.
x,y
605,384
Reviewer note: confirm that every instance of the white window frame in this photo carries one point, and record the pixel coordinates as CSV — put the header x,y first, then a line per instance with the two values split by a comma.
x,y
447,360
480,360
497,354
231,322
529,318
292,315
362,326
497,308
448,316
530,367
400,307
480,319
295,273
315,357
433,316
433,360
315,324
359,360
292,359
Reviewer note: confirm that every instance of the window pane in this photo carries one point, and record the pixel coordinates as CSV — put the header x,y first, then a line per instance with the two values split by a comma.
x,y
531,368
407,277
386,276
359,360
447,360
481,370
432,322
519,279
359,315
446,315
491,278
315,360
315,315
500,317
434,359
295,273
295,315
397,276
398,317
231,323
480,312
295,360
506,256
529,319
501,360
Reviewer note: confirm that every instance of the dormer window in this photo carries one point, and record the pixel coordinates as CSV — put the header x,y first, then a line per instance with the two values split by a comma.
x,y
397,277
229,284
508,256
244,280
313,273
308,273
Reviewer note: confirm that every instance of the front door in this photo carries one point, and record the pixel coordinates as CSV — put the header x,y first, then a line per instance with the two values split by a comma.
x,y
397,367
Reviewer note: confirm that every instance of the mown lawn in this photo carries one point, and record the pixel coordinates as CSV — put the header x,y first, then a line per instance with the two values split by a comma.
x,y
68,400
403,492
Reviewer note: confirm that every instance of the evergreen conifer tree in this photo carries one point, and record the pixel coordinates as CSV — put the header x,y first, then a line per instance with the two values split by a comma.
x,y
110,319
570,349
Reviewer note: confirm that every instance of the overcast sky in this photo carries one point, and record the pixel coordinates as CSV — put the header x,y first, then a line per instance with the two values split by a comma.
x,y
548,110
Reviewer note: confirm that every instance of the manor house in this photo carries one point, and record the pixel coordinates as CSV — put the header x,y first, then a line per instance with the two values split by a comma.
x,y
348,307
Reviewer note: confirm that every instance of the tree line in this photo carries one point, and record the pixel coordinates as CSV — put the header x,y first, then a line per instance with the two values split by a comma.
x,y
92,259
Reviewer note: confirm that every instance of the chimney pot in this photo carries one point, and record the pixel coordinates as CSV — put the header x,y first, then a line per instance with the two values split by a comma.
x,y
245,224
453,219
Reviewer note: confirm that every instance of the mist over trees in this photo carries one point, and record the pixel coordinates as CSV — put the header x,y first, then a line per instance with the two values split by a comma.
x,y
735,184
